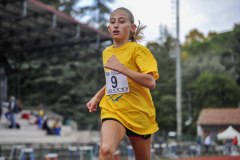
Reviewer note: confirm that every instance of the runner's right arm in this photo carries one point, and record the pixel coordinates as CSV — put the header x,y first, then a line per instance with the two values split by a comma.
x,y
92,104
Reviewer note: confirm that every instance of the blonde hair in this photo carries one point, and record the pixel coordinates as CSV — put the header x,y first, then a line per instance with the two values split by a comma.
x,y
138,34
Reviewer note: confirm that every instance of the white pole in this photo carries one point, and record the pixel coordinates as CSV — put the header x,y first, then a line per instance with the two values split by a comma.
x,y
178,76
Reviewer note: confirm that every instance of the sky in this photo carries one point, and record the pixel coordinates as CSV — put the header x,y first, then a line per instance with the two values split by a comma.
x,y
204,15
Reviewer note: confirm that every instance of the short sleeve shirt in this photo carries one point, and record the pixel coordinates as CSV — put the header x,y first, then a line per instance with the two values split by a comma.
x,y
129,102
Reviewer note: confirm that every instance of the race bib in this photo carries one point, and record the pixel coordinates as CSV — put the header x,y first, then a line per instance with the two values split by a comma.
x,y
116,83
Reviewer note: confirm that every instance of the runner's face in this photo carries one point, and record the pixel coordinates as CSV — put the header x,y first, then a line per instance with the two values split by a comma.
x,y
120,26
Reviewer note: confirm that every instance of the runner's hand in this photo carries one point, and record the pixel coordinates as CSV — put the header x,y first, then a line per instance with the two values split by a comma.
x,y
92,105
114,64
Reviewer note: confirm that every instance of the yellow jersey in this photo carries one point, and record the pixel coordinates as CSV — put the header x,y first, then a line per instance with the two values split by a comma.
x,y
125,100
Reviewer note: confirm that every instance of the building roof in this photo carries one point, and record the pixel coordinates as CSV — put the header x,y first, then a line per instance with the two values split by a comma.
x,y
29,25
219,116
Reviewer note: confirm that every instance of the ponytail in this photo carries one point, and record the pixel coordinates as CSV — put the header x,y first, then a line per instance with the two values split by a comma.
x,y
138,34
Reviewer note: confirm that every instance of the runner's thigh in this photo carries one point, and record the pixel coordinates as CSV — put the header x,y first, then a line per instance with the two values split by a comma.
x,y
112,132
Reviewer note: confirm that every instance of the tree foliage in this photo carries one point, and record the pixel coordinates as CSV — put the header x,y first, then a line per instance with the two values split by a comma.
x,y
97,12
211,72
94,12
164,93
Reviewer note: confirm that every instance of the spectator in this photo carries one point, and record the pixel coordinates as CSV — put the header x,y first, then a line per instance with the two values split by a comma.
x,y
57,127
40,115
46,127
235,141
207,143
234,145
227,147
10,115
199,145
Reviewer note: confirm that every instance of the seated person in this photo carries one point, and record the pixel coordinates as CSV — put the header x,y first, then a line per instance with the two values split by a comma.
x,y
57,127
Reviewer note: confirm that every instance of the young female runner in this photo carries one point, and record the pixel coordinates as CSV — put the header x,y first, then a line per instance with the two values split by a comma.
x,y
125,101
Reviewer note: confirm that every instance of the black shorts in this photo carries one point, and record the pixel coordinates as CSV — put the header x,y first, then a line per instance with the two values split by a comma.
x,y
130,133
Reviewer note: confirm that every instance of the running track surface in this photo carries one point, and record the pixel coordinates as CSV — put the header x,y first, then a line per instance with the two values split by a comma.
x,y
213,158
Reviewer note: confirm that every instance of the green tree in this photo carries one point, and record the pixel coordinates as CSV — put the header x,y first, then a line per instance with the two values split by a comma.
x,y
164,93
214,90
194,35
97,13
67,6
211,73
